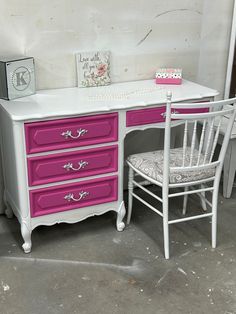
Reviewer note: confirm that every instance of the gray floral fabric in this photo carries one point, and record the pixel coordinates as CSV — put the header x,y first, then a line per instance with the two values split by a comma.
x,y
151,164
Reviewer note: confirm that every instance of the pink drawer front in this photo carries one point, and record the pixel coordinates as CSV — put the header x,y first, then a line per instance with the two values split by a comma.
x,y
154,115
193,110
145,116
67,166
70,196
71,132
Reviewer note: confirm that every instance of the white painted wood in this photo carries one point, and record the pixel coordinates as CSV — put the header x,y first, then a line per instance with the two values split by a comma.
x,y
120,96
74,216
130,191
141,186
189,218
192,191
166,171
185,201
185,141
209,140
147,204
217,132
73,102
210,104
203,199
193,141
201,141
120,216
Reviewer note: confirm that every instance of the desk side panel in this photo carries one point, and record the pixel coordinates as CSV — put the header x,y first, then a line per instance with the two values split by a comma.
x,y
14,164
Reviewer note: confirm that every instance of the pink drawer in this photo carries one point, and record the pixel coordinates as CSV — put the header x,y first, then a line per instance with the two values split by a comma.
x,y
193,110
154,115
67,166
145,116
70,196
71,132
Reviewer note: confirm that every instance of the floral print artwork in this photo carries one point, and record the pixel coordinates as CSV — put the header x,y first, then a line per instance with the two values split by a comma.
x,y
93,68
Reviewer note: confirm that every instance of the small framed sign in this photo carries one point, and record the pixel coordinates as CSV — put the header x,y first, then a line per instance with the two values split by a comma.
x,y
93,68
17,77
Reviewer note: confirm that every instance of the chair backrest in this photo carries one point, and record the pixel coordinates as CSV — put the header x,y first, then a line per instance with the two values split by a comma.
x,y
201,132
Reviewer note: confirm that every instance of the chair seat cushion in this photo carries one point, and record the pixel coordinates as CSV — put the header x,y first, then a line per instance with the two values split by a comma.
x,y
151,164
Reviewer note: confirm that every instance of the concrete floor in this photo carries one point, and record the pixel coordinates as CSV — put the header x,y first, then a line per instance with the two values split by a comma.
x,y
89,267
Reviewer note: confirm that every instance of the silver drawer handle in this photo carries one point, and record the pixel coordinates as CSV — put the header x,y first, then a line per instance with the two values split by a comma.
x,y
69,166
70,197
163,114
68,133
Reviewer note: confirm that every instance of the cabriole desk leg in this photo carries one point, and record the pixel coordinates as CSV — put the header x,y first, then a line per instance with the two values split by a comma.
x,y
120,225
26,234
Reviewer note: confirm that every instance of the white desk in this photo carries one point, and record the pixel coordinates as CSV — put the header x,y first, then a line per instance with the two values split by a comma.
x,y
63,149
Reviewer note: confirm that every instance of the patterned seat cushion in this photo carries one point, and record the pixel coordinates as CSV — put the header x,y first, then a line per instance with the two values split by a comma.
x,y
151,164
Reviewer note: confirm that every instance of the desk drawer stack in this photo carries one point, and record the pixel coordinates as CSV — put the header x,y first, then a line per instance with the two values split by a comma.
x,y
70,172
48,168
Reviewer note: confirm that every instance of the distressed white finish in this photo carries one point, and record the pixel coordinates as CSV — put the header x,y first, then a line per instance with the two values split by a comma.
x,y
54,104
210,123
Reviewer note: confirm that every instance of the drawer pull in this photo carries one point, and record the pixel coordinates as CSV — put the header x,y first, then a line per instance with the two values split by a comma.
x,y
68,133
163,114
70,197
69,166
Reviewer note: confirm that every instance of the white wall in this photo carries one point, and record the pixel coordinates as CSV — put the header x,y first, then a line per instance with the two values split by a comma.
x,y
52,31
214,43
141,35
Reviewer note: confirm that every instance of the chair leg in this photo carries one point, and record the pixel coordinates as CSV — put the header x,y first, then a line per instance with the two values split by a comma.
x,y
185,200
130,196
214,216
166,228
202,197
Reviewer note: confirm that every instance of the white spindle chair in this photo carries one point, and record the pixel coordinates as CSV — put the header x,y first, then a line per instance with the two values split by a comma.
x,y
190,168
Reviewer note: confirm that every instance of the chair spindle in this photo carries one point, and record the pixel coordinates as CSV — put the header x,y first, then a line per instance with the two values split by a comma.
x,y
193,142
185,141
215,139
209,141
201,141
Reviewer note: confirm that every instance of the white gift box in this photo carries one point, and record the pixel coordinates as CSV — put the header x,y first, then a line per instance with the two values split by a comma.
x,y
169,76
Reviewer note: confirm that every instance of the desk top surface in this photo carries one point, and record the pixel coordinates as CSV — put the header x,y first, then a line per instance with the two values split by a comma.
x,y
118,96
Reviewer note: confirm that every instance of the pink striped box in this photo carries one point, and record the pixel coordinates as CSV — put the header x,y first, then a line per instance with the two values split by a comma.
x,y
169,76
